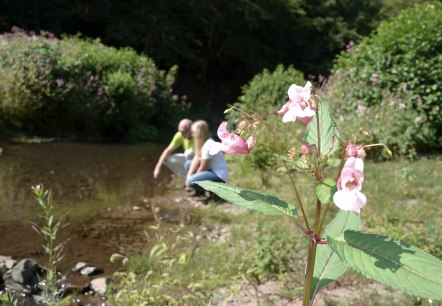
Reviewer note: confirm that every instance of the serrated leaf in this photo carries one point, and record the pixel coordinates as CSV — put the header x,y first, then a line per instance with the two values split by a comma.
x,y
300,163
391,262
325,189
328,265
328,130
245,198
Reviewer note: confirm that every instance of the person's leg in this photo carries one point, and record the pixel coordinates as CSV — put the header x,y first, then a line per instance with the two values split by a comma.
x,y
175,163
187,165
202,176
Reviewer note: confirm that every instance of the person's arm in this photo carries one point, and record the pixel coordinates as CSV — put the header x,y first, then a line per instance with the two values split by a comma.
x,y
193,166
204,165
161,160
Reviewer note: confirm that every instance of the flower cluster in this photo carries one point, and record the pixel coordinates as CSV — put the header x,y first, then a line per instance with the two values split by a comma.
x,y
232,143
349,195
298,105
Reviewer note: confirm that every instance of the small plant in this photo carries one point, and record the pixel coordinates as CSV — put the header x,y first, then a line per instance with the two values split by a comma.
x,y
48,231
7,298
342,243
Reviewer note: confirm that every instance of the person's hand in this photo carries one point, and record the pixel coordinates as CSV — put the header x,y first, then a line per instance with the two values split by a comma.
x,y
156,172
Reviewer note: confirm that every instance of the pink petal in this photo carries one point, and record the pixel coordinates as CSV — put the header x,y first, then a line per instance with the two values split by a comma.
x,y
290,116
235,144
222,131
285,108
350,200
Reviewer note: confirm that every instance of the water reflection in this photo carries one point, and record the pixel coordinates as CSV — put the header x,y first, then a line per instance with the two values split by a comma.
x,y
84,178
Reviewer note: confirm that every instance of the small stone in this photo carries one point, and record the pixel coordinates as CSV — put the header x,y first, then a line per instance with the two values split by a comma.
x,y
80,265
90,271
99,285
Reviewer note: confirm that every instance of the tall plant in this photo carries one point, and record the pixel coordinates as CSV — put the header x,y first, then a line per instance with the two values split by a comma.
x,y
342,243
48,230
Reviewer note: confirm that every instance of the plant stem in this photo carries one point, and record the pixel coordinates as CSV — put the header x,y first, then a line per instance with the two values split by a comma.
x,y
292,181
309,273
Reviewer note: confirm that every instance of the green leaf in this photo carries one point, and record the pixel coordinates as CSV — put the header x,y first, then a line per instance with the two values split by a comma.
x,y
328,130
391,262
245,198
328,265
325,190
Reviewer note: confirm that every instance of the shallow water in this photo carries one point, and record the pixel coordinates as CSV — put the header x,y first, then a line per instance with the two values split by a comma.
x,y
105,191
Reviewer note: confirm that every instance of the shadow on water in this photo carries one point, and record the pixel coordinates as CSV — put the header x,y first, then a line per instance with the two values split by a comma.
x,y
106,191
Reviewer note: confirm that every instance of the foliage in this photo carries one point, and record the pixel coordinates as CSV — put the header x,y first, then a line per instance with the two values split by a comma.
x,y
391,80
208,38
71,86
272,255
390,262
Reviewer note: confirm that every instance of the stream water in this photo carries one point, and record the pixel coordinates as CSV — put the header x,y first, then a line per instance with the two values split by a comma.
x,y
105,191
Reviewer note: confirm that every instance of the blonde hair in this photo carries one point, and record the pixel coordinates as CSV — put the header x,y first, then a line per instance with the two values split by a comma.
x,y
200,133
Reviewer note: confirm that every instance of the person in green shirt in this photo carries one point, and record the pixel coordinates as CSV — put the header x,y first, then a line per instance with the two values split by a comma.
x,y
175,162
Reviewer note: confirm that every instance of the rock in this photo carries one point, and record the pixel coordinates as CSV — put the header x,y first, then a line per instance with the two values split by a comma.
x,y
6,263
80,265
25,272
86,269
89,271
99,285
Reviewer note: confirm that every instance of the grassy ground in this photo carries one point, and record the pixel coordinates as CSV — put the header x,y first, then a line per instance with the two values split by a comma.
x,y
229,250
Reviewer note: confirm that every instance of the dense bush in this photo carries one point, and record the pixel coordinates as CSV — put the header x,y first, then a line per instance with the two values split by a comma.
x,y
396,75
75,87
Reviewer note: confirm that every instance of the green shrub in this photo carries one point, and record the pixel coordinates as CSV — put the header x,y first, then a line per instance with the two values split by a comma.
x,y
401,60
267,89
75,87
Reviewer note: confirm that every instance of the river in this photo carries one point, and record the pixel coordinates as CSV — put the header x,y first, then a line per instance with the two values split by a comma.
x,y
105,192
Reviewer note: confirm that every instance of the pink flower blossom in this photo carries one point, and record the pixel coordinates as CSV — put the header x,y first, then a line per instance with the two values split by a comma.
x,y
232,143
350,151
348,196
298,107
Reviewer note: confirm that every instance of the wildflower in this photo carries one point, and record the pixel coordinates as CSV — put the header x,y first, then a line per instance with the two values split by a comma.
x,y
298,106
348,196
350,151
232,143
305,148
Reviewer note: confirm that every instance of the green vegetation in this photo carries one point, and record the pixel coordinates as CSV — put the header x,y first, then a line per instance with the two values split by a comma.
x,y
389,83
213,38
48,230
75,87
187,267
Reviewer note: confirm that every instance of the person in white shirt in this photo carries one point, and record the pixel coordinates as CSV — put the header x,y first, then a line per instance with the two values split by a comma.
x,y
204,166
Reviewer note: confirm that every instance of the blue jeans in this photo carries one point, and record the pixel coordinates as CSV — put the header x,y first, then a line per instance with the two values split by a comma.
x,y
206,175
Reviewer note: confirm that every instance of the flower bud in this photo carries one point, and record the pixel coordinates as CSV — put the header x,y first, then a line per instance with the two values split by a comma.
x,y
292,152
304,148
350,151
251,142
313,149
360,152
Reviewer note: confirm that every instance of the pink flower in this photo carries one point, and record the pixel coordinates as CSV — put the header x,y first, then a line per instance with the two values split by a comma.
x,y
350,151
232,143
348,196
298,107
